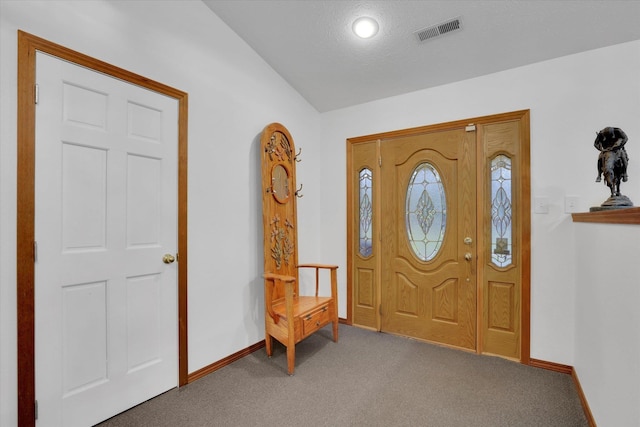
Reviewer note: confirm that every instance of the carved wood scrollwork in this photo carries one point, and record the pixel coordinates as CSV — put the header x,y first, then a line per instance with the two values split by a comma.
x,y
282,244
279,147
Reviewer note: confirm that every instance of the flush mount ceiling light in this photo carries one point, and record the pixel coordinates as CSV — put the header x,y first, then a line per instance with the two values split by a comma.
x,y
365,27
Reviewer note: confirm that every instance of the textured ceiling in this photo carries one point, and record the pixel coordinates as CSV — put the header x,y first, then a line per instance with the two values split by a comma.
x,y
311,45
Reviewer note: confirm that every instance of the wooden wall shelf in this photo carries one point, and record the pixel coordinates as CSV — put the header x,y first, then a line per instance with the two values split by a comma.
x,y
614,216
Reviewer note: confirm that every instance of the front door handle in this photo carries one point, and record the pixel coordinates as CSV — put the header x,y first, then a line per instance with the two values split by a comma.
x,y
168,258
468,256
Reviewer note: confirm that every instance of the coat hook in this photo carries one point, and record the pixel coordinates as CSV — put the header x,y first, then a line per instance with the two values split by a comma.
x,y
298,194
298,155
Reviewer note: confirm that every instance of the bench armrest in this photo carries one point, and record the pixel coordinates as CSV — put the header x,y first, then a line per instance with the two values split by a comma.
x,y
271,281
334,276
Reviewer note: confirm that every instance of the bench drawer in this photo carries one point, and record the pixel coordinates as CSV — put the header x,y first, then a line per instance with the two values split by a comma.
x,y
315,320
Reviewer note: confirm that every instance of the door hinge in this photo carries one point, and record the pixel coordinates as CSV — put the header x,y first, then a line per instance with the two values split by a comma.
x,y
36,409
380,161
36,93
35,251
470,128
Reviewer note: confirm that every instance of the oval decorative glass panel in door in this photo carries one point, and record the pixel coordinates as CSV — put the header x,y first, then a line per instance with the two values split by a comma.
x,y
425,212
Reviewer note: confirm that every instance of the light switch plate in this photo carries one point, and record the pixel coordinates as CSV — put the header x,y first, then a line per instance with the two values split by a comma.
x,y
571,204
541,205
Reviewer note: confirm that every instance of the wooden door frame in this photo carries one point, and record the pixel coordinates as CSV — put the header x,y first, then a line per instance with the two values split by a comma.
x,y
28,45
525,163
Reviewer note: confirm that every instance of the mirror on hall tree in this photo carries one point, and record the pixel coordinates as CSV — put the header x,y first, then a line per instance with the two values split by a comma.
x,y
280,183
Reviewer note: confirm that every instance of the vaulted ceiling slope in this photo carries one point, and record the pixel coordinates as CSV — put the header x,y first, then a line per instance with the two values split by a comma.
x,y
311,45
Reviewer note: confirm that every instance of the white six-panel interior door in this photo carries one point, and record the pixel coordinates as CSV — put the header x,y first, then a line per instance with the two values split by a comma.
x,y
106,330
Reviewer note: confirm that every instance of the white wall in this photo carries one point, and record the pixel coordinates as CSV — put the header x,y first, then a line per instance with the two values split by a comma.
x,y
233,94
570,98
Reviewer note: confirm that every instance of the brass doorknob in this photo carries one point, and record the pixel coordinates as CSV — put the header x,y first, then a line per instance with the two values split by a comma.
x,y
468,256
168,258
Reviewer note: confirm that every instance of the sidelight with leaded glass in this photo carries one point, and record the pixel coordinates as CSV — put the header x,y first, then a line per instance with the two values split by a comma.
x,y
366,213
501,211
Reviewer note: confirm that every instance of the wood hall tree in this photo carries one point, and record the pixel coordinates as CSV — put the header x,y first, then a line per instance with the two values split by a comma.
x,y
289,316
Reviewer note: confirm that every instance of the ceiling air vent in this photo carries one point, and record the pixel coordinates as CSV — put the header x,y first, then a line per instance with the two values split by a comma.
x,y
438,30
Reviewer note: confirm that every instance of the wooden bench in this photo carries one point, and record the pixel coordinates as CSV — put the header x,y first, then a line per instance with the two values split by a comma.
x,y
289,316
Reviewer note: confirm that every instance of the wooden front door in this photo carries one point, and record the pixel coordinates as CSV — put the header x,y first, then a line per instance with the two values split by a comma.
x,y
439,234
428,229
